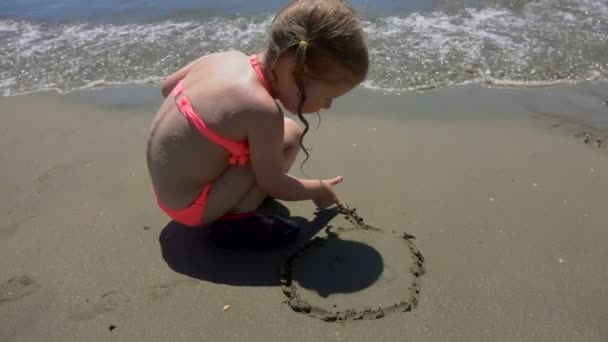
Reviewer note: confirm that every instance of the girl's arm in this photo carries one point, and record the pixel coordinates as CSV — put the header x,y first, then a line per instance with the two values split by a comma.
x,y
171,81
266,149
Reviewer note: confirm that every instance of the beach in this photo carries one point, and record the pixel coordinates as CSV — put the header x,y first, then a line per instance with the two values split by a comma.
x,y
504,189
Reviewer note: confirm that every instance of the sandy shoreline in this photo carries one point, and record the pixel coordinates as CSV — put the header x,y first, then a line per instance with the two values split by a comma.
x,y
507,207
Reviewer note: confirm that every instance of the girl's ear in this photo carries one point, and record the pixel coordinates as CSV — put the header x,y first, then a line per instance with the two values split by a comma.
x,y
292,70
285,65
291,66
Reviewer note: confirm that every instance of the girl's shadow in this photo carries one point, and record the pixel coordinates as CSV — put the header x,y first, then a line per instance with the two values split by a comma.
x,y
190,252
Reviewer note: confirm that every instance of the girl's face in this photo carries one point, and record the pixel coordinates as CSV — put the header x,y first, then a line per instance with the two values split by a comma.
x,y
319,92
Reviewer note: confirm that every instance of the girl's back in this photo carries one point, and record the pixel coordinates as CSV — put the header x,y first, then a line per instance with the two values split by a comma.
x,y
221,88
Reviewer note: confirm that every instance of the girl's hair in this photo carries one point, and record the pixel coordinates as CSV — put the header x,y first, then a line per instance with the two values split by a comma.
x,y
321,34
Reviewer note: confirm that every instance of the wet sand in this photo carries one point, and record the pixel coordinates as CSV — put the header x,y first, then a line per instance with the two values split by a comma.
x,y
505,199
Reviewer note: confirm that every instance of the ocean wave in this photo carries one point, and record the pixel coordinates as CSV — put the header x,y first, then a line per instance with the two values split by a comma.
x,y
541,42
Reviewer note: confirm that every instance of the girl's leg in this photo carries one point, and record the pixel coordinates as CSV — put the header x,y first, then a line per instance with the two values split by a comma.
x,y
235,190
252,199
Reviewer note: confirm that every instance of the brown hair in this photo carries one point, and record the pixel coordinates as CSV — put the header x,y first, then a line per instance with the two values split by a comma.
x,y
318,32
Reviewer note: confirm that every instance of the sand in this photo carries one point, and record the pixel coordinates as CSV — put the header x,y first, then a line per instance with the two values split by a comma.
x,y
508,208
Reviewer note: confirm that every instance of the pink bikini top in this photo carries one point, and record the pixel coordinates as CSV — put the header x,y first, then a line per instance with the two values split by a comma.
x,y
255,63
239,150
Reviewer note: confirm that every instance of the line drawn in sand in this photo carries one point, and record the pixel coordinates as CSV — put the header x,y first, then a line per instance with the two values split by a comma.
x,y
300,305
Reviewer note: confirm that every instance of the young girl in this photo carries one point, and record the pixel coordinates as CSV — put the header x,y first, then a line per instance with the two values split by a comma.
x,y
219,144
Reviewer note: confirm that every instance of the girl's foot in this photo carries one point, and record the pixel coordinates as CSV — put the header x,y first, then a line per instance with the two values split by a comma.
x,y
252,230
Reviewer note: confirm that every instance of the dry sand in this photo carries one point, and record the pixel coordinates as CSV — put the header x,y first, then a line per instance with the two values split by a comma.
x,y
508,208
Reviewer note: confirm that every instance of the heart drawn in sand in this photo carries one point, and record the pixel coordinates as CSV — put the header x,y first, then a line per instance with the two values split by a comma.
x,y
300,305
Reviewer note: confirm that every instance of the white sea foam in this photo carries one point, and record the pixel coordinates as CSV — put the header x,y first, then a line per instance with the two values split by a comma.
x,y
30,38
436,35
544,42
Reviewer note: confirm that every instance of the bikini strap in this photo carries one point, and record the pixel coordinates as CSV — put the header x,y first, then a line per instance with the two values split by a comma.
x,y
239,151
257,66
179,89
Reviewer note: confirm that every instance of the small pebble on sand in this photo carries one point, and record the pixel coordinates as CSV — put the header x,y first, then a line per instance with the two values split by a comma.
x,y
226,307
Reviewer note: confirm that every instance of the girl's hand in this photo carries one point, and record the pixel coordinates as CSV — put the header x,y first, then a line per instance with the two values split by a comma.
x,y
326,196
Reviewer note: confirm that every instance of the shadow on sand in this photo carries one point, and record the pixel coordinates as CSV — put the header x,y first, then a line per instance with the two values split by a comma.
x,y
189,251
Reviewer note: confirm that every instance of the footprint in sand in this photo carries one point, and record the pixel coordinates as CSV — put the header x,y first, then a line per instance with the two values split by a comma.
x,y
10,230
60,170
17,287
166,289
108,302
113,300
161,291
15,218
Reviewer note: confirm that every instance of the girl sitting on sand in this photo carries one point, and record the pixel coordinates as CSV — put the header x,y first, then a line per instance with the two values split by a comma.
x,y
219,144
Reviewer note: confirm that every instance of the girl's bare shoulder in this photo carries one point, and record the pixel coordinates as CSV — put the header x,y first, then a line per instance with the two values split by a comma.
x,y
232,80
